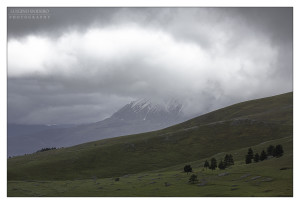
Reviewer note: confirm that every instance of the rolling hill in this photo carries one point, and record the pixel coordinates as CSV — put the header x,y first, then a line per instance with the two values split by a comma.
x,y
238,126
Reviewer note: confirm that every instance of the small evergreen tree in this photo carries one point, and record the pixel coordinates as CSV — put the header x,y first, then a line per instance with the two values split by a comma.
x,y
270,150
278,151
231,162
213,164
193,179
256,157
187,169
248,159
226,161
250,153
263,155
221,165
206,164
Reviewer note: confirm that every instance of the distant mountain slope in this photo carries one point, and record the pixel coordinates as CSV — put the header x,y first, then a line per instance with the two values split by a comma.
x,y
136,117
237,126
144,109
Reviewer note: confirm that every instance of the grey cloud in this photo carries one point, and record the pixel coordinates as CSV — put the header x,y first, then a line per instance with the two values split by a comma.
x,y
88,94
276,22
32,100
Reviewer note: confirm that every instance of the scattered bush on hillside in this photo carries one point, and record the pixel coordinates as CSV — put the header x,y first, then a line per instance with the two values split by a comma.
x,y
193,179
187,169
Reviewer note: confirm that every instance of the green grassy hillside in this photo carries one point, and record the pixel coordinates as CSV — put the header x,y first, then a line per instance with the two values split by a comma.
x,y
272,177
234,127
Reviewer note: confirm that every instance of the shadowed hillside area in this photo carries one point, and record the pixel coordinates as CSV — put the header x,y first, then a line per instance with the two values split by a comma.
x,y
234,127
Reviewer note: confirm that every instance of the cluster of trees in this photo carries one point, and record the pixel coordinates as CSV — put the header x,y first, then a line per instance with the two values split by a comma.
x,y
226,162
271,151
223,164
212,165
276,151
46,149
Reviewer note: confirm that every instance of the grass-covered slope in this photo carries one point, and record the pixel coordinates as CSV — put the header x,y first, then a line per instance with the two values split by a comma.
x,y
234,127
272,177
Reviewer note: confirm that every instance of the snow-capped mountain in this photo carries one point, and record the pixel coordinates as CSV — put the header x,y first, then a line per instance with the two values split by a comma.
x,y
146,110
136,117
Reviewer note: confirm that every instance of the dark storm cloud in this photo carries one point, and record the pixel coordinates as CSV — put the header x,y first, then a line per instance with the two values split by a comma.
x,y
83,64
277,22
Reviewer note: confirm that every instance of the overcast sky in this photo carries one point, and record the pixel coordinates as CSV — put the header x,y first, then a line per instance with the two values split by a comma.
x,y
83,64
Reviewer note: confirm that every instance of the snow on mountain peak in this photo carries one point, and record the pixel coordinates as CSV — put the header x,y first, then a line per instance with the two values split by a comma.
x,y
169,106
146,109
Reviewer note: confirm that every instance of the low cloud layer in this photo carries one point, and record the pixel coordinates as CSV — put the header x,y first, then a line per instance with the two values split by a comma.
x,y
206,58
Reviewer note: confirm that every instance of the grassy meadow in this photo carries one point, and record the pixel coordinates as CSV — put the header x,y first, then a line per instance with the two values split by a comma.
x,y
256,179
